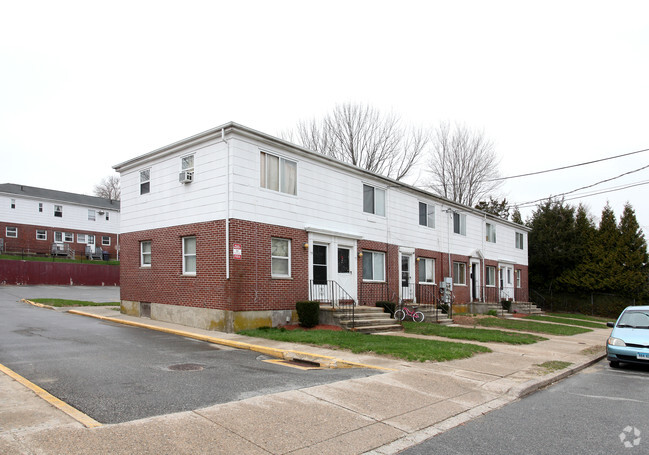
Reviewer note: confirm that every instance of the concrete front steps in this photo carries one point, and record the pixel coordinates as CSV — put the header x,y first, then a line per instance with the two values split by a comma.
x,y
366,319
435,315
518,307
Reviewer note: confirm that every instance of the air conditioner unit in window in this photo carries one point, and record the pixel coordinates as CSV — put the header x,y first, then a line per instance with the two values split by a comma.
x,y
186,177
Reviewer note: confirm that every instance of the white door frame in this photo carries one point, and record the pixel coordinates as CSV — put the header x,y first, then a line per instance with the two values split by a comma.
x,y
409,293
506,280
475,280
348,281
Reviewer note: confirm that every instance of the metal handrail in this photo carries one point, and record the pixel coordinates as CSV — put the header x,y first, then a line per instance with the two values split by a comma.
x,y
333,293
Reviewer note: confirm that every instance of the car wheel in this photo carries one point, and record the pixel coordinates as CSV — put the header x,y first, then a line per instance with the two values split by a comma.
x,y
614,364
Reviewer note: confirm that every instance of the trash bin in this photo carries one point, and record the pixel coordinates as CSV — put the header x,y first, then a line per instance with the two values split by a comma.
x,y
105,255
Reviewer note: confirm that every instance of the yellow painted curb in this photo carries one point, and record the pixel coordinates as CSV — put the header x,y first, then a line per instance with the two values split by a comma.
x,y
41,305
77,415
326,361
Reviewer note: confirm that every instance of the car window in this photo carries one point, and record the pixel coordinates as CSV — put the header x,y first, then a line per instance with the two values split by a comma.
x,y
635,319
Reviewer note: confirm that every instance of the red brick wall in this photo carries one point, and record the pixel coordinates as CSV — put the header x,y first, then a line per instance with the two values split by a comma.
x,y
250,287
27,239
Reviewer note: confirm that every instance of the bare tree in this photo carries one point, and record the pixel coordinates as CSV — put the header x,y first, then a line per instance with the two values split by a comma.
x,y
462,164
363,136
108,188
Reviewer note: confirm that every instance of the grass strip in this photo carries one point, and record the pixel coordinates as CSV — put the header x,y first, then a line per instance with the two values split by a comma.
x,y
559,320
531,326
471,334
64,302
410,349
580,316
50,259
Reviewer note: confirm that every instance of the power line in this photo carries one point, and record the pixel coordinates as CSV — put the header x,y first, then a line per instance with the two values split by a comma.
x,y
568,167
587,186
596,193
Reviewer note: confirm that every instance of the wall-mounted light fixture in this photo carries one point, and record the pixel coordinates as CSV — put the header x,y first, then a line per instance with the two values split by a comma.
x,y
306,246
360,254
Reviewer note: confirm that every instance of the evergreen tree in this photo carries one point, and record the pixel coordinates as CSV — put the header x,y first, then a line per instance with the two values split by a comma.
x,y
606,262
584,276
632,254
516,216
495,207
551,243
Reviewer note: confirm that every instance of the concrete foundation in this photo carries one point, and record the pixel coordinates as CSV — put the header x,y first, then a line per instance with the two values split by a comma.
x,y
208,318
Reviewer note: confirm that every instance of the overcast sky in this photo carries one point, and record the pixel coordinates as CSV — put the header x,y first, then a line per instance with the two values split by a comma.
x,y
86,85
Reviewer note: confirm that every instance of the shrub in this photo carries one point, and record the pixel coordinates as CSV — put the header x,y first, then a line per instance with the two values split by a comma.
x,y
388,307
308,312
492,313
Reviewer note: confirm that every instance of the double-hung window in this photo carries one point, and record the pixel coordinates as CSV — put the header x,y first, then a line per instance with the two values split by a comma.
x,y
145,253
91,215
145,181
459,273
459,223
426,215
490,278
373,266
278,174
81,238
518,278
373,200
426,270
189,255
40,207
280,257
105,240
491,233
519,240
13,203
60,237
58,211
41,234
11,232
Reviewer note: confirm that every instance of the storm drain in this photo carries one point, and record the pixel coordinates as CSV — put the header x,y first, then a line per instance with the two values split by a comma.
x,y
186,367
300,364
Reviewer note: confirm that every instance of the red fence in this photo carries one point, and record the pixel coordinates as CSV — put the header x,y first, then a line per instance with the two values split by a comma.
x,y
57,273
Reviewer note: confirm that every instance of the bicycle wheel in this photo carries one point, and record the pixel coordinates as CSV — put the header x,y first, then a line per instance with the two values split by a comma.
x,y
418,316
399,315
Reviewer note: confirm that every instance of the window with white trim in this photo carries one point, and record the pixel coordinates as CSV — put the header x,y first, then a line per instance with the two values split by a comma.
x,y
189,255
491,233
58,211
91,215
459,223
280,257
107,217
426,270
11,232
105,240
41,234
145,181
459,273
278,174
490,278
81,238
13,203
426,215
187,163
40,207
373,200
145,253
373,266
519,240
518,278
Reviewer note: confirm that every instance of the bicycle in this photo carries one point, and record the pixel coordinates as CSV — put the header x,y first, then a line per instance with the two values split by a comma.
x,y
401,314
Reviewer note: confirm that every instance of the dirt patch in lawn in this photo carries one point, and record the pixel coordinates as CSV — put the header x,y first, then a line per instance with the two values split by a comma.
x,y
317,327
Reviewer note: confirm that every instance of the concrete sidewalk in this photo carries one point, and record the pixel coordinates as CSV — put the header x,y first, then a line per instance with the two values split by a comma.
x,y
381,414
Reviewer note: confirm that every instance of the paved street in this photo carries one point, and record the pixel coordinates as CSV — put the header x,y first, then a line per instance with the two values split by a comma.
x,y
584,414
116,373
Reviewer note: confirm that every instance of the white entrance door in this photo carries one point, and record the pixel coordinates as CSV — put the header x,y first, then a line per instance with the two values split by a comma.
x,y
475,281
332,268
407,283
506,282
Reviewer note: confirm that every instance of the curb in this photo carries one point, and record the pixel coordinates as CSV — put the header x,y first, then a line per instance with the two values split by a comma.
x,y
285,354
40,305
533,385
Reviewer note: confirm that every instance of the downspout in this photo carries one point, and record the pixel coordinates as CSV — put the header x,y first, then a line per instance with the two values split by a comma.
x,y
227,207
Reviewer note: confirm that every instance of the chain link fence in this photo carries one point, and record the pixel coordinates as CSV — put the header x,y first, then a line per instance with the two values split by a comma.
x,y
594,303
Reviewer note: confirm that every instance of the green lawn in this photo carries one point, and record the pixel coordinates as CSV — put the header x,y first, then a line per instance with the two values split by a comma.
x,y
50,259
531,326
411,349
560,320
64,302
467,333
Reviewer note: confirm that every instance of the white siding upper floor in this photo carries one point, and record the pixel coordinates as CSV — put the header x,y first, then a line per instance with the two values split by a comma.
x,y
39,207
327,196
